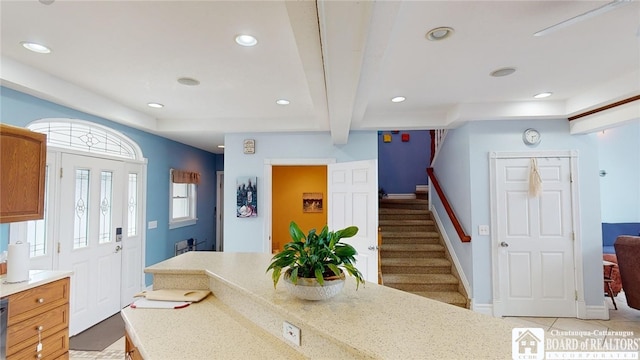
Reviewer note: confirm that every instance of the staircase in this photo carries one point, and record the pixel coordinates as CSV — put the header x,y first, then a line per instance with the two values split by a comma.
x,y
412,254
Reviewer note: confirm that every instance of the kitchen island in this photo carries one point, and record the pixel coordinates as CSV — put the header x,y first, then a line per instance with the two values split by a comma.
x,y
244,318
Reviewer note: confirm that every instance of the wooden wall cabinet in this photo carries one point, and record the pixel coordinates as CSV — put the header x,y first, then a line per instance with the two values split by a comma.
x,y
23,156
40,314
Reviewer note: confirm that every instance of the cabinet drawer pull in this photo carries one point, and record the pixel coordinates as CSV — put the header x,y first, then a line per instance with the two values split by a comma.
x,y
39,356
40,328
40,300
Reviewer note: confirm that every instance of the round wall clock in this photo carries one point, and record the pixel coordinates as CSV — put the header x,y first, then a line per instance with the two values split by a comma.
x,y
531,137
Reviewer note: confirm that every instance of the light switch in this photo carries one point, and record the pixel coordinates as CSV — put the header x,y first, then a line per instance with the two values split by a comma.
x,y
483,230
152,224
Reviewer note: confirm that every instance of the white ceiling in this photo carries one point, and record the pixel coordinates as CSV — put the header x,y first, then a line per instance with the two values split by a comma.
x,y
338,62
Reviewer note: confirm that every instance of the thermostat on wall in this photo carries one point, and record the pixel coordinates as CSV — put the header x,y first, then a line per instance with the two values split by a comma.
x,y
249,146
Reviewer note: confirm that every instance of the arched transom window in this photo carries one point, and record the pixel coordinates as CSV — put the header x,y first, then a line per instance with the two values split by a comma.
x,y
86,136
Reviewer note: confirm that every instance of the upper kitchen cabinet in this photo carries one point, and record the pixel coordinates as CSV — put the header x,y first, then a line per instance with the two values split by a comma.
x,y
22,174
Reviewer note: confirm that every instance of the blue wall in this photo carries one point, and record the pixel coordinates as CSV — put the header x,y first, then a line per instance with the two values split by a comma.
x,y
20,109
467,187
619,156
402,165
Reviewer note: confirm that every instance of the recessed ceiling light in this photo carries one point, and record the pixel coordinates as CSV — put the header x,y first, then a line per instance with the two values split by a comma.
x,y
220,146
188,81
439,33
155,105
398,99
46,2
246,40
542,95
503,72
41,49
283,102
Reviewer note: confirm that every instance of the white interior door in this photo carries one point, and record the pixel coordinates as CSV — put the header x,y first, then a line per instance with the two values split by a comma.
x,y
535,235
91,191
353,200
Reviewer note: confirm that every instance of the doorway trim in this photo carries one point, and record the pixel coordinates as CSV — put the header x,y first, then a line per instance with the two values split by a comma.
x,y
268,184
130,155
498,300
219,211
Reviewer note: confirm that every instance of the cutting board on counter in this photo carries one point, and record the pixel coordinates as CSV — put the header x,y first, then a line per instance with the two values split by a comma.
x,y
174,295
158,304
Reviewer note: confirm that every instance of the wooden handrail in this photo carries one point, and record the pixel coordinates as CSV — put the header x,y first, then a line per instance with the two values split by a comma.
x,y
456,224
380,281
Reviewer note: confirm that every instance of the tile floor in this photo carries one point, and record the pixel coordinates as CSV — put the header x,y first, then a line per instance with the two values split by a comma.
x,y
113,351
623,319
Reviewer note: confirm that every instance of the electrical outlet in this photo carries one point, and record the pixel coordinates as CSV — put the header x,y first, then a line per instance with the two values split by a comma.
x,y
291,333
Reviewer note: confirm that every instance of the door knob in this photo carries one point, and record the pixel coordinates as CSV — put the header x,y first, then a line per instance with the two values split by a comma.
x,y
118,248
371,247
504,244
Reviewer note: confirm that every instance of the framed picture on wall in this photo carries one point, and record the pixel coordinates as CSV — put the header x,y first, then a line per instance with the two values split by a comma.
x,y
311,202
247,196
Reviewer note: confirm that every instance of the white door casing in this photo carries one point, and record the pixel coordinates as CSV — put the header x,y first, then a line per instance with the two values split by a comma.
x,y
133,229
534,267
353,200
88,250
220,212
91,142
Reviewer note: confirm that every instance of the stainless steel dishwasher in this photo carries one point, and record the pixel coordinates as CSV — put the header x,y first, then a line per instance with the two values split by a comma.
x,y
4,314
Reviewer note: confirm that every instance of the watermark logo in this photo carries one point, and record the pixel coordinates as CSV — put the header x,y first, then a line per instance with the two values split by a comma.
x,y
531,344
527,343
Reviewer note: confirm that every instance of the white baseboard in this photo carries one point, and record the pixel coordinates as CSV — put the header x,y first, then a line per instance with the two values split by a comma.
x,y
599,312
486,309
401,196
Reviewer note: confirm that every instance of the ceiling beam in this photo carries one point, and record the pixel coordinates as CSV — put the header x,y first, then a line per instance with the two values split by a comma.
x,y
344,26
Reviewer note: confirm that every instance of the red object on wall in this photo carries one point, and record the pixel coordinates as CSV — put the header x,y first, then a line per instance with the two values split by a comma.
x,y
405,137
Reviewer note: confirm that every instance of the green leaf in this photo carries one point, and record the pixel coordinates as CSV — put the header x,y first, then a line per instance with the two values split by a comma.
x,y
334,268
347,232
345,250
294,276
296,234
276,276
319,277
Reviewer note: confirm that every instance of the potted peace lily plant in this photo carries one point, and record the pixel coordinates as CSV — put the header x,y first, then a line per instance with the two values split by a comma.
x,y
314,264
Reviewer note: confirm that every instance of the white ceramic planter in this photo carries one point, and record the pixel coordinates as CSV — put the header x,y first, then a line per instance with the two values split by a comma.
x,y
310,289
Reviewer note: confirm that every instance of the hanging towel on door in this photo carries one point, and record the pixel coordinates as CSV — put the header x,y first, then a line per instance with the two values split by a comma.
x,y
535,181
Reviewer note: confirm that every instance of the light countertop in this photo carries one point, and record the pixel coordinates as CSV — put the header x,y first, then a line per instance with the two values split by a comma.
x,y
36,278
373,322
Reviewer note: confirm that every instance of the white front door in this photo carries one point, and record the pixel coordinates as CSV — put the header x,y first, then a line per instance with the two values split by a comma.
x,y
91,200
535,238
353,200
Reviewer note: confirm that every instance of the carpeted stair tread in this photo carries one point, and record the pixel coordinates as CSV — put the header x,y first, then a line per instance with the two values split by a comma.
x,y
405,222
419,279
404,201
391,211
435,262
409,234
449,297
412,247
